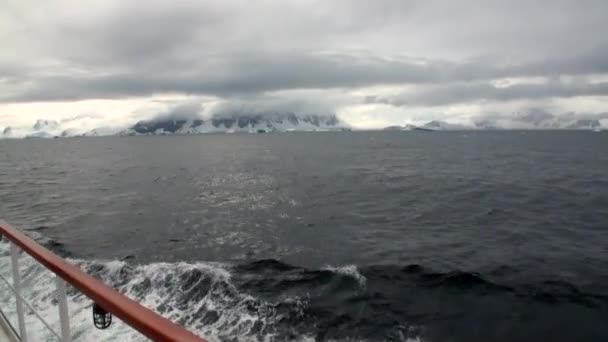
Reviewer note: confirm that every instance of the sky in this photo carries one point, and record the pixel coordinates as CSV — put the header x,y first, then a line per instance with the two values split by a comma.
x,y
373,63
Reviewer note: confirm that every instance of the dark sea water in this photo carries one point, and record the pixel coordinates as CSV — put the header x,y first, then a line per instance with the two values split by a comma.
x,y
375,236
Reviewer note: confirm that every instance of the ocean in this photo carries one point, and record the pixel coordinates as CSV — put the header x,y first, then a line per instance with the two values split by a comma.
x,y
343,236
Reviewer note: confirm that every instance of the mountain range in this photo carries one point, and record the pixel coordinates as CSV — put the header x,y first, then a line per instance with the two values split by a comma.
x,y
436,125
263,122
231,123
164,125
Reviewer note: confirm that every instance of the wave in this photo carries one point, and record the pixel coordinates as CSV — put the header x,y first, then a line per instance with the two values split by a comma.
x,y
268,300
205,297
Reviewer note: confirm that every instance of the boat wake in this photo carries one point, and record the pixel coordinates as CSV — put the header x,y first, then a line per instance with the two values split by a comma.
x,y
268,300
207,298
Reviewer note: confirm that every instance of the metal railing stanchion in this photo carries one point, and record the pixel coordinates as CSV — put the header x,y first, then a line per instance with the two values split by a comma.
x,y
64,318
17,287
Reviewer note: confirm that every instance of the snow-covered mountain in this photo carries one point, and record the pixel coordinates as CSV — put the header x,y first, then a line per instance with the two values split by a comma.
x,y
522,122
540,119
395,128
436,125
276,121
585,124
55,130
230,123
226,122
407,127
41,129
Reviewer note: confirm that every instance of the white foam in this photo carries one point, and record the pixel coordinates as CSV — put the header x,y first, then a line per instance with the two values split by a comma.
x,y
200,296
349,270
161,287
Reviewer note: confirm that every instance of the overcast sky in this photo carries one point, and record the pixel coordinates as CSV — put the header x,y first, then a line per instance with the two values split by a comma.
x,y
374,63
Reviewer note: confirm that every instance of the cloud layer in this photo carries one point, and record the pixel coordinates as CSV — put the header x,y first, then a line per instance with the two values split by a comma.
x,y
386,59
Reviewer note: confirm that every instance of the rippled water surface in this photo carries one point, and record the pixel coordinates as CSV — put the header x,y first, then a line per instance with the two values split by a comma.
x,y
455,236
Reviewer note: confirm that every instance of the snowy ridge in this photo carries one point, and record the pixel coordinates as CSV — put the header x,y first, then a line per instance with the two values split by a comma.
x,y
443,126
285,121
261,122
231,123
554,123
55,129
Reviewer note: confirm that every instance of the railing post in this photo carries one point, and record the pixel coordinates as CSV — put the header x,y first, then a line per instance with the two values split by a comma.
x,y
64,318
17,286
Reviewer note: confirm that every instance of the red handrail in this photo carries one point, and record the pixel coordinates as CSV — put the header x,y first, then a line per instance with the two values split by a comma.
x,y
129,311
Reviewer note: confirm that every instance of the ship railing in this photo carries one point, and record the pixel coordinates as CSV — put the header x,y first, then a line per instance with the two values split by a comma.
x,y
140,318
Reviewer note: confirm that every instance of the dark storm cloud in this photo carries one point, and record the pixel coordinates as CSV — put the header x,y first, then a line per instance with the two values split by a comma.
x,y
245,74
255,74
232,49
